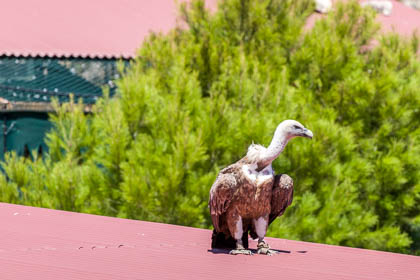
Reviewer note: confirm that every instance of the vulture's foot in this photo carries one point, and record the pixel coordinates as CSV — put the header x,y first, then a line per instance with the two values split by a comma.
x,y
240,250
264,249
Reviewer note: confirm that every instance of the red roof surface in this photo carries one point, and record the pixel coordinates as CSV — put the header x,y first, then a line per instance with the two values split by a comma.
x,y
92,28
109,28
46,244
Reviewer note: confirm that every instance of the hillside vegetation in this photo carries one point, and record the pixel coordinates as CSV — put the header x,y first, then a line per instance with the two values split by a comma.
x,y
194,99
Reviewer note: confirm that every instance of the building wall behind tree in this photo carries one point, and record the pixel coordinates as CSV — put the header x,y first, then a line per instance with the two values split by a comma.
x,y
23,132
39,80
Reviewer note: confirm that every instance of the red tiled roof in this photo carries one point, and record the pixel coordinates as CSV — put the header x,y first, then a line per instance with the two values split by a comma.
x,y
47,244
79,28
403,19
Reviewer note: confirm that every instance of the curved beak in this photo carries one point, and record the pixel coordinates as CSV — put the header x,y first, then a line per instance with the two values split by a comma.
x,y
307,133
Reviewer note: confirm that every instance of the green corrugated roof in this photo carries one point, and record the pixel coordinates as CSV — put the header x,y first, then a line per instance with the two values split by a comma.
x,y
40,79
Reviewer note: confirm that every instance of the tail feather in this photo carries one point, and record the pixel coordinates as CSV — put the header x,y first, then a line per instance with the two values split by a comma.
x,y
219,240
252,233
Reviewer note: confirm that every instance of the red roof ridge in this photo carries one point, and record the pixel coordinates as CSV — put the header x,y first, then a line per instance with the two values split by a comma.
x,y
112,29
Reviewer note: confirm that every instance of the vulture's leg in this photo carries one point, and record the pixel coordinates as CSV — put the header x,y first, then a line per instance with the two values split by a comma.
x,y
260,225
237,234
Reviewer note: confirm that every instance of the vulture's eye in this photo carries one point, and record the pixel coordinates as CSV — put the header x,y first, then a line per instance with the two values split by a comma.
x,y
296,127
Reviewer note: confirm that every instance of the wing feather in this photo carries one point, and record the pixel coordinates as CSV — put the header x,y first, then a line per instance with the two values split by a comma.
x,y
282,196
221,194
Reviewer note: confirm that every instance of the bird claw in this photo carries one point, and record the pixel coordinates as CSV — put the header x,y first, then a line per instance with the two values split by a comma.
x,y
240,252
264,249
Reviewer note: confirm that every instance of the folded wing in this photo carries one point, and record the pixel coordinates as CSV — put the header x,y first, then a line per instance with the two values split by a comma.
x,y
221,194
282,196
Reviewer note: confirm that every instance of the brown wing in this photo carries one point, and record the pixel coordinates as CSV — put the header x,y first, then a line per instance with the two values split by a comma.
x,y
281,197
221,194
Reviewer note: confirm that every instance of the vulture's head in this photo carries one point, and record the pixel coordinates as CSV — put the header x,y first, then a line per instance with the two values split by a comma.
x,y
292,128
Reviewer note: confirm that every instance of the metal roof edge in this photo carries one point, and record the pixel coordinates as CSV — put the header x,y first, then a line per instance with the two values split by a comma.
x,y
65,55
39,107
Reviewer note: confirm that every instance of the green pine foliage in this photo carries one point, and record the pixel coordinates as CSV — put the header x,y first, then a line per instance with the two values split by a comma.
x,y
194,99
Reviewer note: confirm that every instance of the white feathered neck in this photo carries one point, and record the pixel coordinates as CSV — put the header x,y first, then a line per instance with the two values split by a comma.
x,y
264,156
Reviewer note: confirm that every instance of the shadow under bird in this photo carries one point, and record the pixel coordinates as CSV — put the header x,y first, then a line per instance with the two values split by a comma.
x,y
247,196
